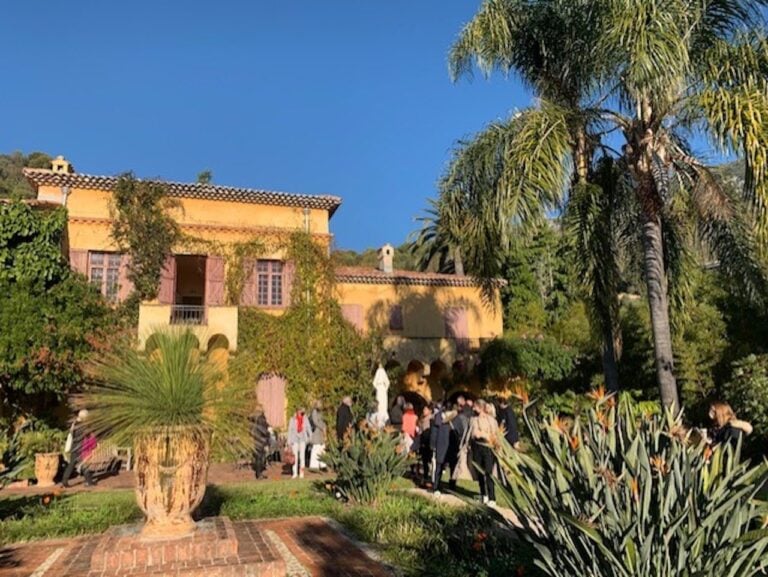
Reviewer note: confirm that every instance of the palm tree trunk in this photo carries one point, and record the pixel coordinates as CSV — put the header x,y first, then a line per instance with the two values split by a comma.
x,y
610,359
458,264
656,283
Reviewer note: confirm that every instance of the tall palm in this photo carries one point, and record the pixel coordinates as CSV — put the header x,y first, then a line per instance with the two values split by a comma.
x,y
656,72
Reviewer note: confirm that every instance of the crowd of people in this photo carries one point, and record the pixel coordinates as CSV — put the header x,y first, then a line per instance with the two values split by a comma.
x,y
458,438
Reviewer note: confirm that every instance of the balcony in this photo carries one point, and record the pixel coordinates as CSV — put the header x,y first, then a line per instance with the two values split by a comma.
x,y
208,323
188,315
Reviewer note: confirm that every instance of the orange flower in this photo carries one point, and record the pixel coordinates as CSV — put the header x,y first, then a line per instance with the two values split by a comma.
x,y
481,536
520,392
633,484
598,395
659,464
708,453
574,441
559,424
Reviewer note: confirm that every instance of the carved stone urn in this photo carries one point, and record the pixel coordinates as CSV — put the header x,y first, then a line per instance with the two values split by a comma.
x,y
171,474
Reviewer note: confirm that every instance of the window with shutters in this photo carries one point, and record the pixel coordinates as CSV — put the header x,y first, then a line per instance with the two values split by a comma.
x,y
396,318
269,283
104,273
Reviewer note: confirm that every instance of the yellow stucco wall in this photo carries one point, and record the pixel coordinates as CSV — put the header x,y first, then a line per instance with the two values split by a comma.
x,y
423,308
221,221
220,321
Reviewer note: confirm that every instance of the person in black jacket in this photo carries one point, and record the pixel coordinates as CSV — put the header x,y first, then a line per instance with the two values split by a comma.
x,y
728,429
445,445
260,436
508,421
344,418
396,413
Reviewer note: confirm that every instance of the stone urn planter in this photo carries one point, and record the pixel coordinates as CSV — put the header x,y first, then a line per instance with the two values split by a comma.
x,y
46,467
171,474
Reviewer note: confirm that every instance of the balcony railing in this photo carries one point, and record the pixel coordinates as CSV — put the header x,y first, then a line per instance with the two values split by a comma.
x,y
188,315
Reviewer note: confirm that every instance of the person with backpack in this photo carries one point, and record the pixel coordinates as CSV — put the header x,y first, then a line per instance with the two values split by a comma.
x,y
80,444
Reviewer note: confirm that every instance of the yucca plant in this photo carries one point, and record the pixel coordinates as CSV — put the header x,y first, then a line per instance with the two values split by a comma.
x,y
170,404
620,494
366,463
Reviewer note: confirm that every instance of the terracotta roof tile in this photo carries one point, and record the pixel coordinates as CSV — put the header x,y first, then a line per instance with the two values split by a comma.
x,y
43,177
368,275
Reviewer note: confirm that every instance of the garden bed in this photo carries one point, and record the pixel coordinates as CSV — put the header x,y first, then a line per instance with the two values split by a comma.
x,y
413,534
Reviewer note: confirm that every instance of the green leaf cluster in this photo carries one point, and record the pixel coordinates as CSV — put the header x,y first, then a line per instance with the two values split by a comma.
x,y
13,184
366,462
538,360
747,393
144,228
619,493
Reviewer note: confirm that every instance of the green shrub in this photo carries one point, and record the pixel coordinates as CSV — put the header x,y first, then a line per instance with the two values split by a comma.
x,y
539,360
366,463
747,392
620,493
38,439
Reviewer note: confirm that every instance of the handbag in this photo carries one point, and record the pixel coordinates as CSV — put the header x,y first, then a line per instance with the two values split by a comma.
x,y
70,440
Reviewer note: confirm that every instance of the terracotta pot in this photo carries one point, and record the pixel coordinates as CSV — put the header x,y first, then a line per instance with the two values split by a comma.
x,y
46,467
171,473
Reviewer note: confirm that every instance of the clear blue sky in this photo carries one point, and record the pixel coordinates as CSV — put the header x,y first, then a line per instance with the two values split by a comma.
x,y
348,97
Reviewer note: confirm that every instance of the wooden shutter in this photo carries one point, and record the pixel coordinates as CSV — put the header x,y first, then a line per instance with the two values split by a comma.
x,y
270,392
78,261
214,281
167,292
248,294
353,314
457,326
289,273
125,286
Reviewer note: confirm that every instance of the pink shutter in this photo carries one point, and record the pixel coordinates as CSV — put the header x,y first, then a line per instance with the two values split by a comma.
x,y
167,292
353,314
457,326
289,273
125,286
248,294
78,261
214,281
270,392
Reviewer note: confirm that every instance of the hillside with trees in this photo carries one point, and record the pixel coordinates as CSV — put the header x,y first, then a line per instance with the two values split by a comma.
x,y
12,181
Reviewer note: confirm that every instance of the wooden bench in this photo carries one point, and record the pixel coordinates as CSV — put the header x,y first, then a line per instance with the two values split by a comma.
x,y
107,459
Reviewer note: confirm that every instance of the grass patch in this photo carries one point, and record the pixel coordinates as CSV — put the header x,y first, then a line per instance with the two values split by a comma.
x,y
417,535
26,518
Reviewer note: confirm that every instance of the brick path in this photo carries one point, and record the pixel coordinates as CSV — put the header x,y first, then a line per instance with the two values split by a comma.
x,y
309,546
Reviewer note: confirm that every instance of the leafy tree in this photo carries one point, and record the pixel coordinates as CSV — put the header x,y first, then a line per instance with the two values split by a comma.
x,y
13,184
540,360
144,228
205,177
31,242
654,73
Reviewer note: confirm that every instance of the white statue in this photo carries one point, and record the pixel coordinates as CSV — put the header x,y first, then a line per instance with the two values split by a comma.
x,y
381,384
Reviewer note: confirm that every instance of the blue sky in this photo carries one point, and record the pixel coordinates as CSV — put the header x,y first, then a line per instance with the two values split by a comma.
x,y
348,97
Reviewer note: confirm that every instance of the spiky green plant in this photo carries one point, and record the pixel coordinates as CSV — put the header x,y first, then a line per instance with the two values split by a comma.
x,y
366,463
173,386
620,494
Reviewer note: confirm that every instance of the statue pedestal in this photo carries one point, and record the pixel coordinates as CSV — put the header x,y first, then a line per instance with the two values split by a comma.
x,y
216,548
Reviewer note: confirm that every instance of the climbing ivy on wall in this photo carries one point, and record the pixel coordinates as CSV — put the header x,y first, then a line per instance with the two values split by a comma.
x,y
144,228
320,355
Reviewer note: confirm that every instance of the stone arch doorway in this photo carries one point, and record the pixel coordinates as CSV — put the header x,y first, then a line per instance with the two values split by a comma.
x,y
270,392
218,351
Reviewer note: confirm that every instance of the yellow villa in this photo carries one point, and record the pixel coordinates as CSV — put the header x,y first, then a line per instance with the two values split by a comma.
x,y
429,321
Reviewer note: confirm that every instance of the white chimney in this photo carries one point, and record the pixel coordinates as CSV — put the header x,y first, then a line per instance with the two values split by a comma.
x,y
386,258
61,165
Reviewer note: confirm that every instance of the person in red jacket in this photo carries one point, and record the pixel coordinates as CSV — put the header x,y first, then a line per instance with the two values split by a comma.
x,y
409,421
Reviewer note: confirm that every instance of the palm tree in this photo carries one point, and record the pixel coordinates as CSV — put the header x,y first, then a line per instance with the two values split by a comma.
x,y
655,73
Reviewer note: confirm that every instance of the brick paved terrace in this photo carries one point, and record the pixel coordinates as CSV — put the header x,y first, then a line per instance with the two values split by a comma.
x,y
301,547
